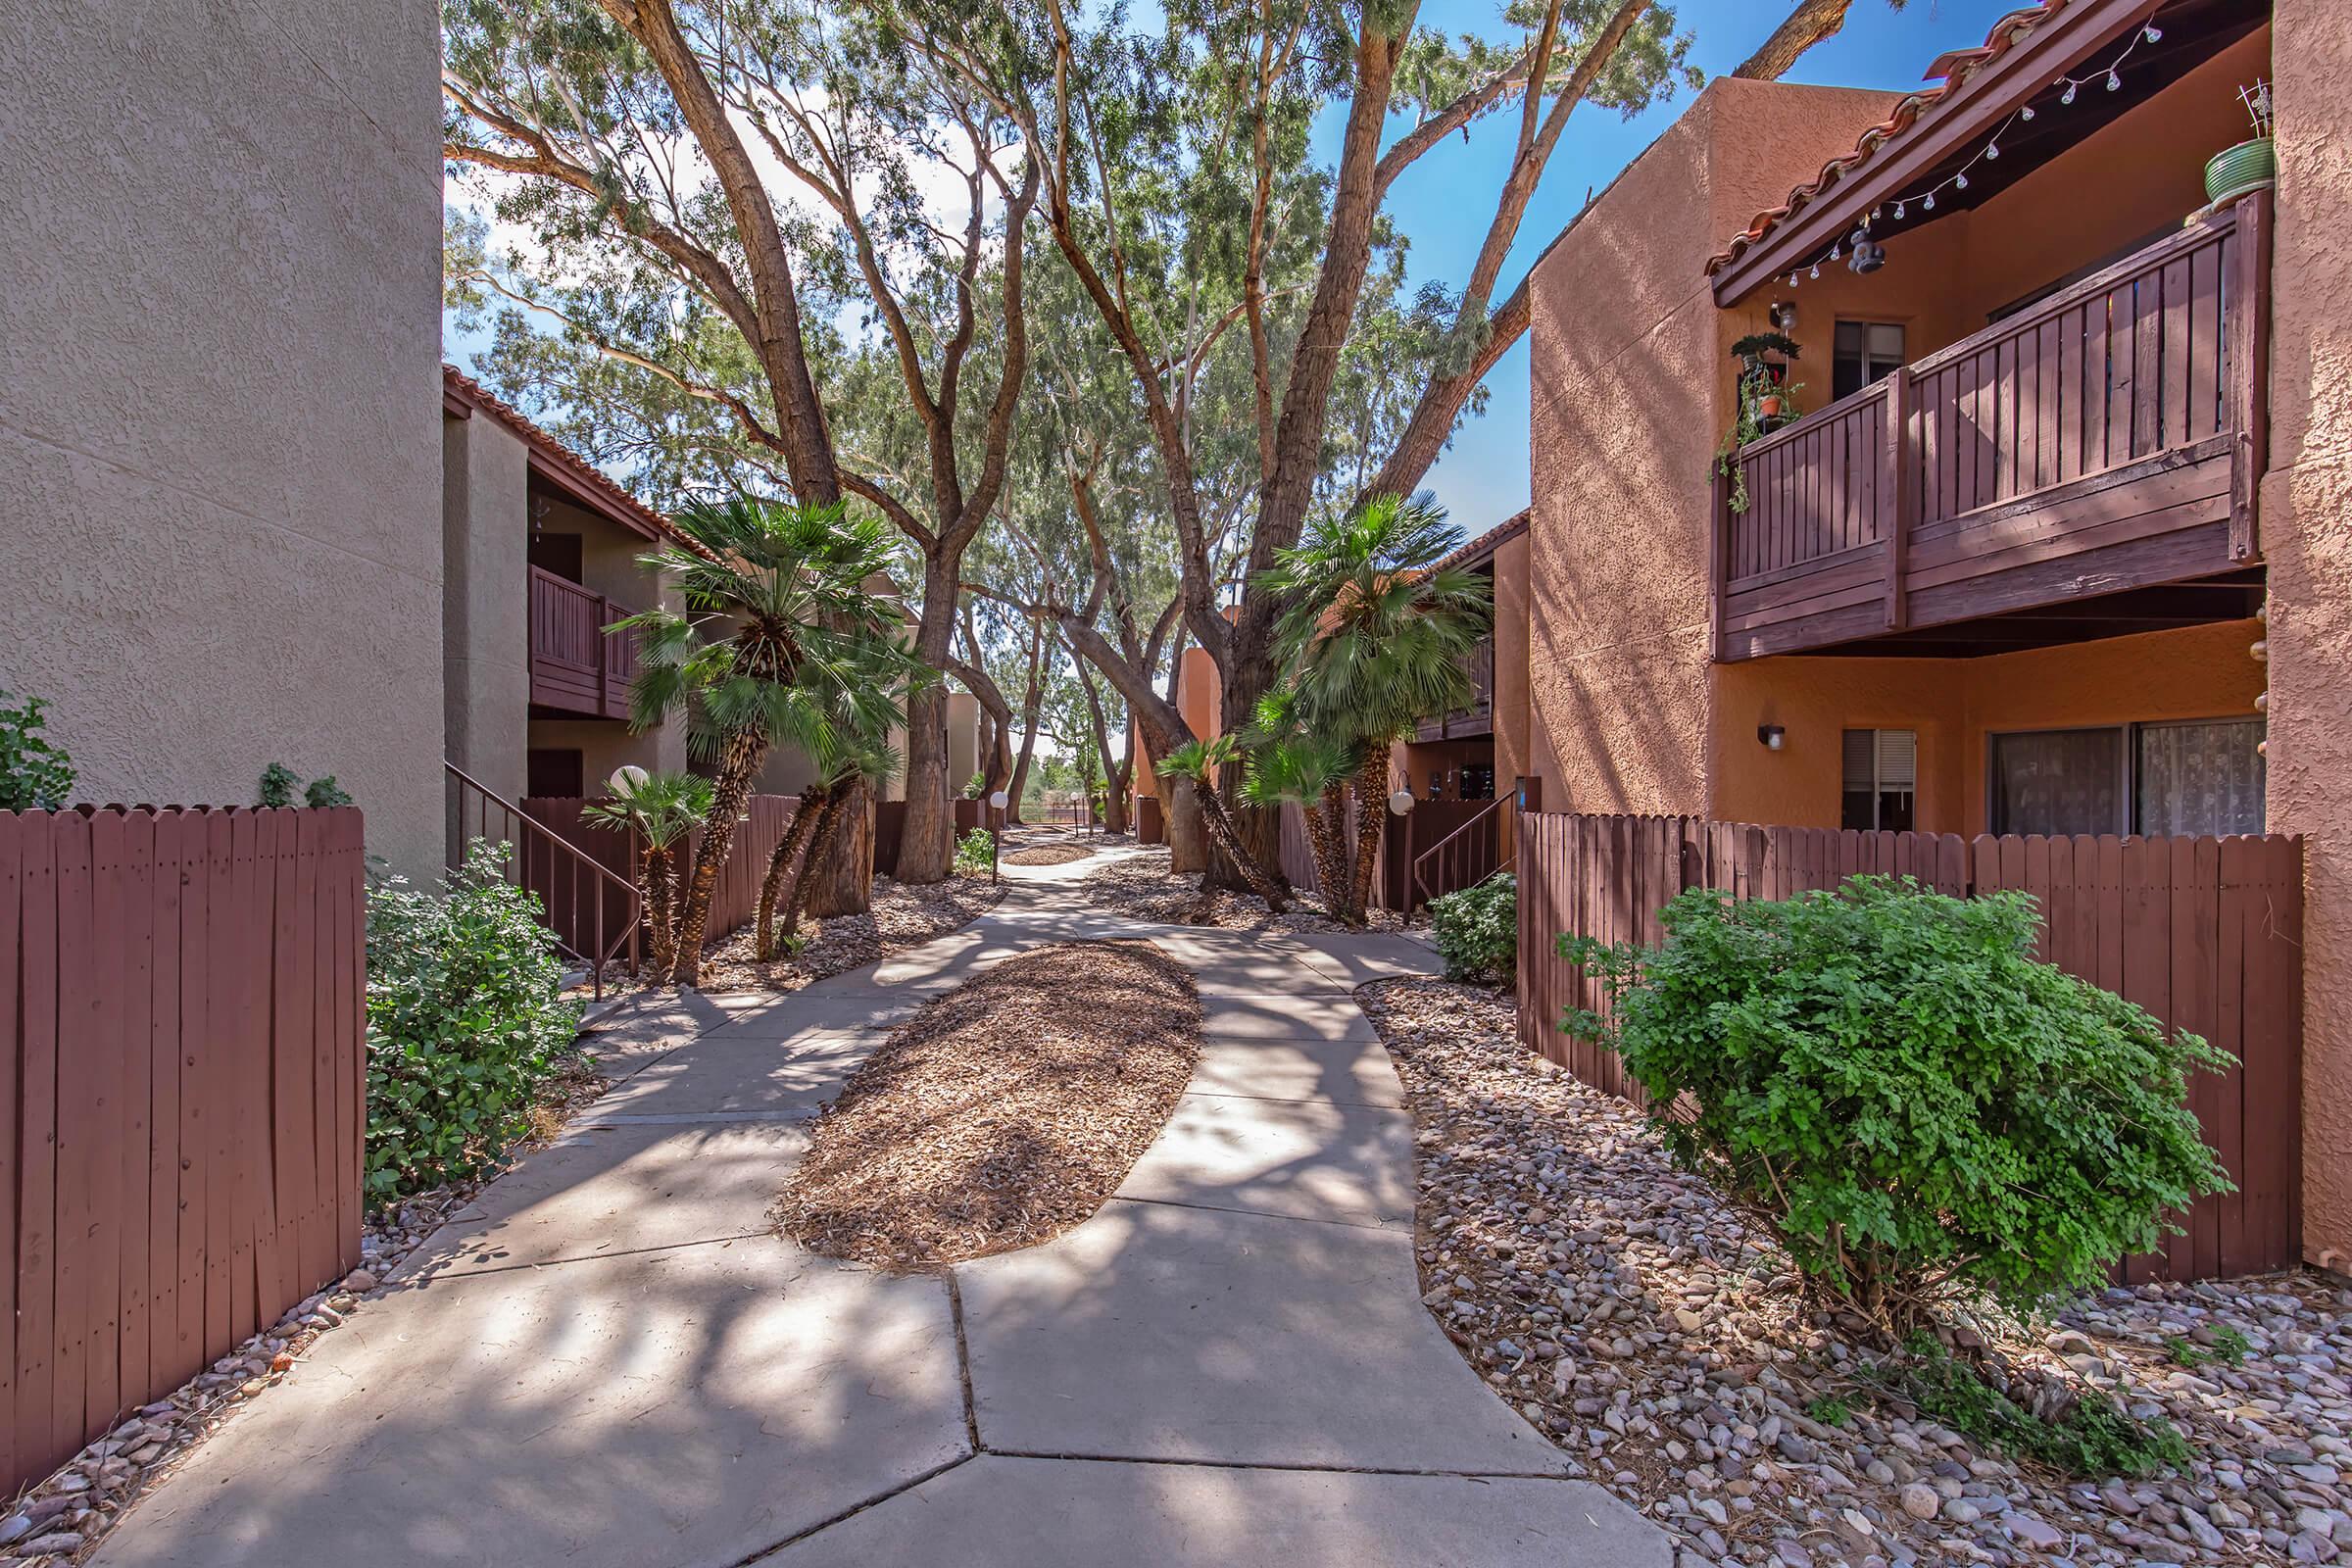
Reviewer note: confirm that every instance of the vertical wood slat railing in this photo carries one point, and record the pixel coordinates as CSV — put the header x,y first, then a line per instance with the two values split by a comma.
x,y
577,664
182,1086
1463,858
2206,933
593,912
2154,364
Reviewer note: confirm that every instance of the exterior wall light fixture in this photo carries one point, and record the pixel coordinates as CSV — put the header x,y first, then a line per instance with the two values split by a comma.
x,y
1773,736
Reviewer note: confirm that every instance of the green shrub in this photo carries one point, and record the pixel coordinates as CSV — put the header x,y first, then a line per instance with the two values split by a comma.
x,y
35,774
277,787
1916,1106
2091,1436
463,1020
975,851
324,792
1478,930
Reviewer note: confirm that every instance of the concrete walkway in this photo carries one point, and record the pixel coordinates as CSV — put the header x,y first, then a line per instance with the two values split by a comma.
x,y
610,1361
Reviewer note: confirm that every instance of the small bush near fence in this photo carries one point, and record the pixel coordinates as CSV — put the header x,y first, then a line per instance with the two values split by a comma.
x,y
1915,1106
975,851
464,1017
1476,930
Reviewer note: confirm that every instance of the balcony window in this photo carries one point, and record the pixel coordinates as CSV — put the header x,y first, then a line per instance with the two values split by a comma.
x,y
1881,780
1864,352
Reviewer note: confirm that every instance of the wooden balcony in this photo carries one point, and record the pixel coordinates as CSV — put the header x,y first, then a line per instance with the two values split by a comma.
x,y
2103,442
577,668
1477,718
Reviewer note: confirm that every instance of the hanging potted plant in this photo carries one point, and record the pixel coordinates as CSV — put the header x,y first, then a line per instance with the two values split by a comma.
x,y
1763,358
2251,165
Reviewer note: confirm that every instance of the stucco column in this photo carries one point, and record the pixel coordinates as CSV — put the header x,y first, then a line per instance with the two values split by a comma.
x,y
485,609
2306,523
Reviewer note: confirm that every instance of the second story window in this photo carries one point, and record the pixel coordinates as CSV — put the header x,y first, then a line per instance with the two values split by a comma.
x,y
1864,352
1881,780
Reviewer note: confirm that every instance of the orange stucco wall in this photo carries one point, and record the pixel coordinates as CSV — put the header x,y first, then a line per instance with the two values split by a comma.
x,y
1198,696
2306,521
1629,399
1954,704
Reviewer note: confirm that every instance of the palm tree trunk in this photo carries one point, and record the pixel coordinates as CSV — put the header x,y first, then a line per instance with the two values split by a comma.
x,y
1252,873
1371,800
739,759
654,880
804,822
828,816
1326,835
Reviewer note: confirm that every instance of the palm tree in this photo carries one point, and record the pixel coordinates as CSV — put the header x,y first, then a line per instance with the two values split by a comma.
x,y
1376,636
1285,764
1193,763
858,757
779,637
662,808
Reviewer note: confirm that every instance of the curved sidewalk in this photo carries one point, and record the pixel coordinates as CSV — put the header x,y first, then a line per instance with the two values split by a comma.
x,y
609,1359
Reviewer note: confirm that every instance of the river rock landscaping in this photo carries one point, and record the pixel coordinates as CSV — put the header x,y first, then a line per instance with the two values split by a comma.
x,y
1658,1339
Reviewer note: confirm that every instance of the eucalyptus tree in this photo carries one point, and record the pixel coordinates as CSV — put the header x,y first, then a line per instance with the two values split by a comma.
x,y
1187,141
781,641
756,213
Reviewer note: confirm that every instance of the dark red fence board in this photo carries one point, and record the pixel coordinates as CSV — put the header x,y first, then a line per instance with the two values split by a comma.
x,y
2204,933
182,1031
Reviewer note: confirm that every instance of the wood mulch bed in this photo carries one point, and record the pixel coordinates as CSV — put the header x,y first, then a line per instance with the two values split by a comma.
x,y
903,916
1001,1114
1049,854
1142,887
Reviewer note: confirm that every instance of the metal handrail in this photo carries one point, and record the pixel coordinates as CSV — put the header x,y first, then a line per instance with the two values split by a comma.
x,y
562,853
1420,882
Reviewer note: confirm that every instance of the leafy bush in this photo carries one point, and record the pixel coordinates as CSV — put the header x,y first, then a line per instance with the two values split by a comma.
x,y
35,774
277,787
464,1019
975,851
1478,930
1887,1078
324,792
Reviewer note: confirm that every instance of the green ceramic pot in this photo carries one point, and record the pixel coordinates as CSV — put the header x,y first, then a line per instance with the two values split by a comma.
x,y
2240,169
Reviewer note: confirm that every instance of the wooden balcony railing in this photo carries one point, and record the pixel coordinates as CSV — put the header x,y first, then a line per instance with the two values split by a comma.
x,y
2106,438
576,665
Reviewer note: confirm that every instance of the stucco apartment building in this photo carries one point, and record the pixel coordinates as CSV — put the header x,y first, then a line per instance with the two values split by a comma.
x,y
2062,540
219,343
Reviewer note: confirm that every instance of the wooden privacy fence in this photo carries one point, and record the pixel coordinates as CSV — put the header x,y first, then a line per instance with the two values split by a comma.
x,y
183,1027
2204,933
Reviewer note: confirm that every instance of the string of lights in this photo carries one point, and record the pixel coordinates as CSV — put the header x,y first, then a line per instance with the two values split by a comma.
x,y
1866,248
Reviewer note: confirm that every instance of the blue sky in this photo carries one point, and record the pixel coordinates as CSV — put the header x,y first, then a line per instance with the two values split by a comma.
x,y
1482,478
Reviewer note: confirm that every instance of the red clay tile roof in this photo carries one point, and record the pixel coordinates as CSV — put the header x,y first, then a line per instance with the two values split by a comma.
x,y
1485,544
463,388
1955,68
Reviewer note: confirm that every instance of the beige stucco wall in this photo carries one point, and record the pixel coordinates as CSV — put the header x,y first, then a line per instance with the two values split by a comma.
x,y
2306,521
1629,400
486,661
218,382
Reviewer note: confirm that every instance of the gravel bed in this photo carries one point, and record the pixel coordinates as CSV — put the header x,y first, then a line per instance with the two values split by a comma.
x,y
63,1518
903,916
1141,887
1659,1341
1002,1114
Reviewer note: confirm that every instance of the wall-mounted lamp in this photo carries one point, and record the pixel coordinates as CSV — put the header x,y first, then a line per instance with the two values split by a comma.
x,y
1772,735
1784,316
1401,802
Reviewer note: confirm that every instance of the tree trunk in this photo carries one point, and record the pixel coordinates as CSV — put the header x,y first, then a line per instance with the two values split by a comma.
x,y
657,884
1253,876
1188,832
1811,22
927,849
739,758
1020,776
841,807
1371,808
1326,835
841,866
788,849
